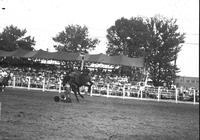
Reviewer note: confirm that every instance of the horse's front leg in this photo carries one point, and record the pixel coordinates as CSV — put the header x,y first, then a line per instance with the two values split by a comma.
x,y
75,93
79,93
75,89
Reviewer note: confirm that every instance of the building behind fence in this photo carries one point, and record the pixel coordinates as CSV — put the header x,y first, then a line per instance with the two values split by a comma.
x,y
187,82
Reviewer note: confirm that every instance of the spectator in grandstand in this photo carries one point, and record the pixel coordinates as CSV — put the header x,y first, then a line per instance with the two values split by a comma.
x,y
141,89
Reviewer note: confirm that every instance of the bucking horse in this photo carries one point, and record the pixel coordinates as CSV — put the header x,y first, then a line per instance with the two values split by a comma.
x,y
77,79
4,82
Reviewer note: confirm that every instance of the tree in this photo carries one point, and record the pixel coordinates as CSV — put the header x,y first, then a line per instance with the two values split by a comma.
x,y
13,38
156,39
127,37
75,39
165,44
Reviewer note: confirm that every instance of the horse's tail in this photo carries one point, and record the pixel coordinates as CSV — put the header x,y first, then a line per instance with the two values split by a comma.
x,y
5,80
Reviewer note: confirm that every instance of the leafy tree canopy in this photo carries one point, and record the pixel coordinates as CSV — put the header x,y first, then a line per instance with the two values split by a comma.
x,y
165,44
127,37
157,39
13,38
75,39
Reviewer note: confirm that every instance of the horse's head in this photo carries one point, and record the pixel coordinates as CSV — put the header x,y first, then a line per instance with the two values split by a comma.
x,y
66,79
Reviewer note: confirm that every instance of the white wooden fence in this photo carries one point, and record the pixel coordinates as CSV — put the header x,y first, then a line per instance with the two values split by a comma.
x,y
134,92
105,90
36,83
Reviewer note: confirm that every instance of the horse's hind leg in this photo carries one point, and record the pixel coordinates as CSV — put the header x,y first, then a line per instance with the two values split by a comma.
x,y
75,93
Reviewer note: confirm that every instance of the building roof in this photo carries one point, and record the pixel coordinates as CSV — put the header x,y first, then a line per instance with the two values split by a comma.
x,y
65,56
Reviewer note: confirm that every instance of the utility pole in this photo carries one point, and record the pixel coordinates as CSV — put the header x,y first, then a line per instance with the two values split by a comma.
x,y
175,64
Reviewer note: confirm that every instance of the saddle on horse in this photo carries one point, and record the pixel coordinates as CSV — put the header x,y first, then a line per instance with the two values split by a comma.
x,y
75,76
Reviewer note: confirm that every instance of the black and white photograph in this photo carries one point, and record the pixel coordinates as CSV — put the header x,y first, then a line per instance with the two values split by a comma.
x,y
99,70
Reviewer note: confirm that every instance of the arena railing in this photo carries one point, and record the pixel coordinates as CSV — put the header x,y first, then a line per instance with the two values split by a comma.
x,y
147,93
110,90
36,83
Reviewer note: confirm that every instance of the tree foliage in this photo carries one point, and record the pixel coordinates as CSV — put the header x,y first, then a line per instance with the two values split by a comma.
x,y
75,39
165,44
13,38
156,39
127,37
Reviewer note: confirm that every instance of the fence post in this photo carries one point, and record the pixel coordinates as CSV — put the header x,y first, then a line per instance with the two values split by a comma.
x,y
29,82
59,89
181,89
108,90
43,84
138,93
128,92
176,95
91,90
194,92
159,90
14,81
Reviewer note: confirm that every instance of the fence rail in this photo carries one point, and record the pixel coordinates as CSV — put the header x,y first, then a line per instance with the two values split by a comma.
x,y
134,92
107,90
36,83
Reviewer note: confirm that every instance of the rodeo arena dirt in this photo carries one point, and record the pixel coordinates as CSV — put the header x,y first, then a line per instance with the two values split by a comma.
x,y
35,105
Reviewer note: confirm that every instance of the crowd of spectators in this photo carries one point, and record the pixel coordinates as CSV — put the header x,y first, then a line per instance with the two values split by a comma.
x,y
53,73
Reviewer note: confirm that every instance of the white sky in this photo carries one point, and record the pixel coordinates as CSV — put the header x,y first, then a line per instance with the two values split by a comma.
x,y
44,19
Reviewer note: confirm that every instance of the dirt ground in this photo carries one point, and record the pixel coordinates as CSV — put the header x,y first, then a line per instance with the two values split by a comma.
x,y
33,115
